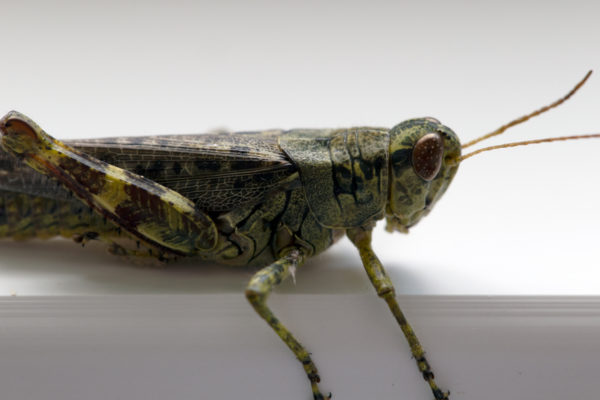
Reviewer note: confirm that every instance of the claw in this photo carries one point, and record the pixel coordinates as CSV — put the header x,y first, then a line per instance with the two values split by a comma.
x,y
440,395
317,395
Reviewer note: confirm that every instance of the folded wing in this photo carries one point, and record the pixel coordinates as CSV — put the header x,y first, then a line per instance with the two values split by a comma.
x,y
218,172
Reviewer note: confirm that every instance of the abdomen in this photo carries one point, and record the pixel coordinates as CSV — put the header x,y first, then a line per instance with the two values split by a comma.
x,y
24,216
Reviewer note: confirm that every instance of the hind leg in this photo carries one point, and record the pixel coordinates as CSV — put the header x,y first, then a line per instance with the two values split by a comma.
x,y
159,216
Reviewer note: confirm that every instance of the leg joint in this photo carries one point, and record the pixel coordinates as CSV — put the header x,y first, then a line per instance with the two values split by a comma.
x,y
386,291
255,296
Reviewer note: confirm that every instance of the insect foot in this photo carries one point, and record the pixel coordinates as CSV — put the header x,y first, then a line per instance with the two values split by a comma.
x,y
440,395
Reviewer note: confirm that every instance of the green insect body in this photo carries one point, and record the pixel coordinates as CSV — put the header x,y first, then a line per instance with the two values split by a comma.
x,y
232,198
265,199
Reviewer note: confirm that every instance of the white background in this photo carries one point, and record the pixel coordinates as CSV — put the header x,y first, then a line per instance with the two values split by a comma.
x,y
520,221
517,222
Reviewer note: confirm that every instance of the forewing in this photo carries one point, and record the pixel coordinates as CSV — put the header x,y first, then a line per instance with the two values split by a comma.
x,y
218,172
16,176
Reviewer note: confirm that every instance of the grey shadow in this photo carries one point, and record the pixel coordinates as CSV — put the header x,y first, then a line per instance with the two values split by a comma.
x,y
92,270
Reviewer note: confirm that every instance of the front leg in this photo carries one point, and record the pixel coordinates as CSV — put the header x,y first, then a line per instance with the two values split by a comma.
x,y
383,285
155,214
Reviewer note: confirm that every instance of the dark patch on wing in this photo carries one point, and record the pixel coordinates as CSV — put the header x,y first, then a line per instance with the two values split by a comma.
x,y
176,168
138,169
207,165
217,172
155,169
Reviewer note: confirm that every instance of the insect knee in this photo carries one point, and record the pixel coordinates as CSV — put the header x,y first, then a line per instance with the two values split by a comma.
x,y
254,295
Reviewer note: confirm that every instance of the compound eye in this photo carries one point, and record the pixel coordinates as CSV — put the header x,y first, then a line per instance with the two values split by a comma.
x,y
427,155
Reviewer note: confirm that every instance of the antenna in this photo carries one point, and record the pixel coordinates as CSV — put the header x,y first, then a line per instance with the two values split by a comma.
x,y
526,142
531,115
523,119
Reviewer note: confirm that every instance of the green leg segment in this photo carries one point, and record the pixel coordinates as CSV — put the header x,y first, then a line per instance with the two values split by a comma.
x,y
383,285
257,292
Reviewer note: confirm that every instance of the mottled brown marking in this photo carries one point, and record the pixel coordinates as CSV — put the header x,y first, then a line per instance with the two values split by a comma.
x,y
140,206
15,126
92,179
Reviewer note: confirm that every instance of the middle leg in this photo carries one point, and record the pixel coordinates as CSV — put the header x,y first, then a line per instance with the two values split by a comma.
x,y
257,292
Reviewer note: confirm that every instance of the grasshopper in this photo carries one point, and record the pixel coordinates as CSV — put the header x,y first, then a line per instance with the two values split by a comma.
x,y
268,199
